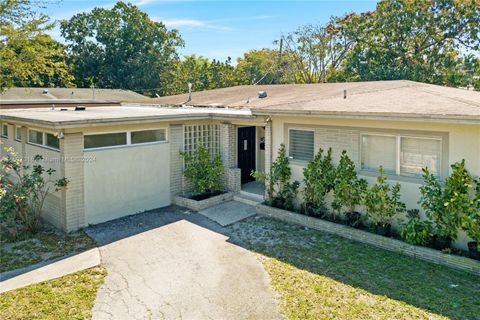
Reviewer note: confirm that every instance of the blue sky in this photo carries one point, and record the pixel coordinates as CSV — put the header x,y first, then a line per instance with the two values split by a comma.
x,y
221,29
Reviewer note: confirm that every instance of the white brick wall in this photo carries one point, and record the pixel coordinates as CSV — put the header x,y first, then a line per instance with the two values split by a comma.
x,y
176,161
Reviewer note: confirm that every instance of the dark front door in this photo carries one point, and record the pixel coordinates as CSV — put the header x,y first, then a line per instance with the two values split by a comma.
x,y
246,152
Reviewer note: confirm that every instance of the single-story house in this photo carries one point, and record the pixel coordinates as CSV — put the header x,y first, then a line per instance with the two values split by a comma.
x,y
123,160
25,97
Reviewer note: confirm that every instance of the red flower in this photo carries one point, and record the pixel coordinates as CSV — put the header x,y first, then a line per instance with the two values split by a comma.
x,y
18,200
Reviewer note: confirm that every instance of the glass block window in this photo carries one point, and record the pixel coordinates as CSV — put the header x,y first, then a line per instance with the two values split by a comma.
x,y
205,134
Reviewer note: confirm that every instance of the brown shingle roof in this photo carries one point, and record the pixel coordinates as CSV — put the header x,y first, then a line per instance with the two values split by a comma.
x,y
399,97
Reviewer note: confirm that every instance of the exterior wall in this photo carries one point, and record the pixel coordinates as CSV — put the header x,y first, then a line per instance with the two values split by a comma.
x,y
463,142
126,180
228,148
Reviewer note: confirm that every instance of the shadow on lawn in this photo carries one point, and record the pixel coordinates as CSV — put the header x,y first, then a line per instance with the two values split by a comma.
x,y
439,289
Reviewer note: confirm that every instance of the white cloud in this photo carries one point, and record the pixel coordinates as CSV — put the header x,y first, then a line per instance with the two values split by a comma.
x,y
184,23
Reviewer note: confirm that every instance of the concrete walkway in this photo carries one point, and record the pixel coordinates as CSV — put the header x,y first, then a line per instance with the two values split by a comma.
x,y
229,212
52,270
171,264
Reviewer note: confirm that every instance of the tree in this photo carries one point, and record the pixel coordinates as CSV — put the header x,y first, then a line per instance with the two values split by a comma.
x,y
317,51
416,40
265,66
28,56
121,48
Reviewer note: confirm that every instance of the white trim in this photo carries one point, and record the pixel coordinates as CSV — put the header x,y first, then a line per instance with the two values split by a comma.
x,y
15,133
2,134
128,143
398,149
44,140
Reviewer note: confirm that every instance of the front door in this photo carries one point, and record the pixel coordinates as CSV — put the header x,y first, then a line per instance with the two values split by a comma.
x,y
246,152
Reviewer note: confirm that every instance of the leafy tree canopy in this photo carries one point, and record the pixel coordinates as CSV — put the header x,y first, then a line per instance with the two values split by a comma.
x,y
121,48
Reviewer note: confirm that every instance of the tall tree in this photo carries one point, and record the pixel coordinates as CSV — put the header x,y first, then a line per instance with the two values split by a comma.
x,y
28,56
317,51
411,39
121,48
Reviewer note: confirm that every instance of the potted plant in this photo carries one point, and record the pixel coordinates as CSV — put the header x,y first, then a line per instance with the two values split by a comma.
x,y
448,204
318,178
281,192
471,223
382,203
348,190
415,231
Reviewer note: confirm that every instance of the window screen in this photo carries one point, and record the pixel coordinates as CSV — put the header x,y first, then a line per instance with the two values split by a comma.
x,y
18,133
379,151
148,136
5,130
104,140
418,153
301,144
52,141
35,137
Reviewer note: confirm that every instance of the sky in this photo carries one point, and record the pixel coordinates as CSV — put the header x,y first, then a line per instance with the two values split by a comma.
x,y
222,29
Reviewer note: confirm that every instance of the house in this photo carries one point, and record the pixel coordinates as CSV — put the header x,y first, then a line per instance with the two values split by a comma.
x,y
123,160
21,98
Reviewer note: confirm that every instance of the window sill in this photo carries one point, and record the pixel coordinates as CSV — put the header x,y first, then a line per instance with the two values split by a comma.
x,y
43,146
391,177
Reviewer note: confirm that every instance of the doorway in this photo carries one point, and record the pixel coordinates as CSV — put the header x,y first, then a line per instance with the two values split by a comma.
x,y
246,152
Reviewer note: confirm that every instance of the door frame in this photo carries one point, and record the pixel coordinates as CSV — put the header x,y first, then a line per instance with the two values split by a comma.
x,y
237,140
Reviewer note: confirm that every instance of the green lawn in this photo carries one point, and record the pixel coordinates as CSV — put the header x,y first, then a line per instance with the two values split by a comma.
x,y
44,245
68,297
320,276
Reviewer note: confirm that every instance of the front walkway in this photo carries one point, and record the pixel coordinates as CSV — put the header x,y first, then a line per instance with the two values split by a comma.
x,y
173,264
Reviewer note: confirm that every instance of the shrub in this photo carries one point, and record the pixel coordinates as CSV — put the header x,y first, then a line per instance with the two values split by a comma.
x,y
415,231
382,202
281,192
348,189
471,218
446,206
23,190
203,170
318,177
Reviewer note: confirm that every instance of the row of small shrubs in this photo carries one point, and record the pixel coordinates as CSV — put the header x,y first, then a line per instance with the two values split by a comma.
x,y
449,206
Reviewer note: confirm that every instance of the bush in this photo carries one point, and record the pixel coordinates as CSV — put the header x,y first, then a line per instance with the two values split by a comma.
x,y
415,231
203,170
348,190
281,192
382,202
23,190
471,218
447,206
319,177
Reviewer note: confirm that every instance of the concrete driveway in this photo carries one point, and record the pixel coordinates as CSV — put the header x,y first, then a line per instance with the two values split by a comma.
x,y
169,264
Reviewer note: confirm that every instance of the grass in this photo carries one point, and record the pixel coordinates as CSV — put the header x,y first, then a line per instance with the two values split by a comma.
x,y
68,297
320,276
42,246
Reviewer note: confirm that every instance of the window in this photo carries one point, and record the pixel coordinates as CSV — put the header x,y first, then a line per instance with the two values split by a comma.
x,y
207,134
301,144
5,130
401,155
35,137
418,153
105,140
379,151
18,133
148,136
52,141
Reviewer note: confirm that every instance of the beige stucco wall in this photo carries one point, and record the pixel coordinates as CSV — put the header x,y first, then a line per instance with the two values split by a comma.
x,y
463,142
127,180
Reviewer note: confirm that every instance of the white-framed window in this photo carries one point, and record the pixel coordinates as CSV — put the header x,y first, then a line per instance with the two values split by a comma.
x,y
5,130
103,140
206,134
147,136
301,144
43,139
35,137
401,155
18,133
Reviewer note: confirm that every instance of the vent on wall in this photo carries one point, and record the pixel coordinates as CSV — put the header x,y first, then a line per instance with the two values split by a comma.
x,y
80,108
262,94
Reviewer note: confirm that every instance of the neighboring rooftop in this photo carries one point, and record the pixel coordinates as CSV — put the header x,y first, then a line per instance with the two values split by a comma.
x,y
114,114
63,95
392,98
